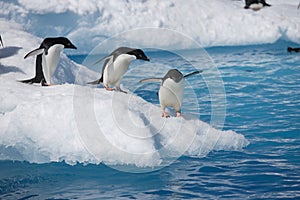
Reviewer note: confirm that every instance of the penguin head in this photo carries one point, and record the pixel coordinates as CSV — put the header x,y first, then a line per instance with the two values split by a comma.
x,y
48,42
174,74
139,54
67,43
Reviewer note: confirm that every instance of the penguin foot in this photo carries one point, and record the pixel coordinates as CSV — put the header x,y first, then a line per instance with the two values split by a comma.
x,y
166,115
109,89
45,84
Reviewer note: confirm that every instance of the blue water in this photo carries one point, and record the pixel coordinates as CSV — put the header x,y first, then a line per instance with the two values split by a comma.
x,y
262,86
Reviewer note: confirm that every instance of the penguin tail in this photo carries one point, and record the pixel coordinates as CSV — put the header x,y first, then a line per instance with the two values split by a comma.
x,y
33,80
29,81
99,81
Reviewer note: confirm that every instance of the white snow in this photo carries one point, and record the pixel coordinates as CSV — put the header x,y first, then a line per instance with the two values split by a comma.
x,y
74,123
209,23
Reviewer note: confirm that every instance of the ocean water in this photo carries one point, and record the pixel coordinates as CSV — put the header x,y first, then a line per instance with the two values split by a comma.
x,y
262,88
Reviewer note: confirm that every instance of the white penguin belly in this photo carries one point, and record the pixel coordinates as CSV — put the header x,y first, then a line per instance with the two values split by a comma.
x,y
114,72
171,94
52,59
256,6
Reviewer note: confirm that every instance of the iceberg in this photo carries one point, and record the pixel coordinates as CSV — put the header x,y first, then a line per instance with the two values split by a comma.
x,y
209,23
75,123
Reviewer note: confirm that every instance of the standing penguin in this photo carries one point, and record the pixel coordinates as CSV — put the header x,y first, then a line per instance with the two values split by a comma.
x,y
47,59
171,90
255,4
115,66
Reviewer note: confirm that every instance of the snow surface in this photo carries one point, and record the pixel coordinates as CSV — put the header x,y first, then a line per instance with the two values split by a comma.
x,y
210,23
74,123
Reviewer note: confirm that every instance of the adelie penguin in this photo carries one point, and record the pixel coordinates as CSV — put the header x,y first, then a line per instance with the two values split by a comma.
x,y
171,90
255,4
1,42
291,49
115,66
47,58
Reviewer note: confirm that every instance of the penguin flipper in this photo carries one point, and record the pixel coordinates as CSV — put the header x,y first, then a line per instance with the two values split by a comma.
x,y
35,52
29,81
193,73
148,80
105,58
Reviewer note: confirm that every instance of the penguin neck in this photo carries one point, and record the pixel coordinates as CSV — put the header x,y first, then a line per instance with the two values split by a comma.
x,y
173,86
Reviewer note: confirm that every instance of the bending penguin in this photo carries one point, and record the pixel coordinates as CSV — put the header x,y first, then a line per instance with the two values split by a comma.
x,y
116,64
47,59
255,4
171,90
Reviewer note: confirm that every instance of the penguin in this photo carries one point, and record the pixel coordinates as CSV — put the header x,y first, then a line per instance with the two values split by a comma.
x,y
1,42
171,90
115,66
47,59
291,49
255,4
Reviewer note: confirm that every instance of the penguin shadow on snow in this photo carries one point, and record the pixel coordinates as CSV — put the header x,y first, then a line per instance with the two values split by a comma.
x,y
156,137
6,52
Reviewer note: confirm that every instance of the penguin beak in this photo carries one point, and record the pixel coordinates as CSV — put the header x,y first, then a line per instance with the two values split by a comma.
x,y
73,46
146,59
